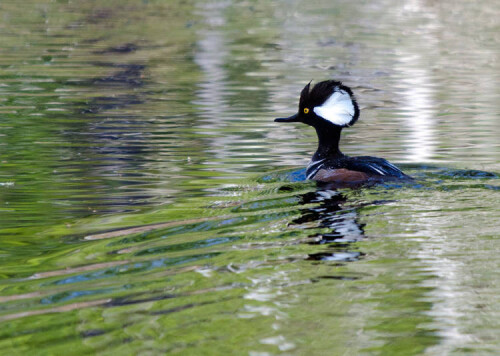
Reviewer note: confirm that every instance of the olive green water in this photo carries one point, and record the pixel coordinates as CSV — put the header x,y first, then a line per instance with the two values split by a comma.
x,y
150,205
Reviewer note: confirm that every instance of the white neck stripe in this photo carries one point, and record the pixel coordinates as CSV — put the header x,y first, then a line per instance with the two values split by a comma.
x,y
315,166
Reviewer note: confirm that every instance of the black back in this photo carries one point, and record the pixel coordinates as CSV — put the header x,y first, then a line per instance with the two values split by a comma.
x,y
374,166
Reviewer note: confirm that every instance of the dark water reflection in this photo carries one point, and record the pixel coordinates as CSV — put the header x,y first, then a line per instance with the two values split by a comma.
x,y
149,204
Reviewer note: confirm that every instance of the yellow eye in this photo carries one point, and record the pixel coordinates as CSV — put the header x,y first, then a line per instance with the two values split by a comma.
x,y
306,111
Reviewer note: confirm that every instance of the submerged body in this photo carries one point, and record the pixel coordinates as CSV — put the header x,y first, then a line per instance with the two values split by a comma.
x,y
328,107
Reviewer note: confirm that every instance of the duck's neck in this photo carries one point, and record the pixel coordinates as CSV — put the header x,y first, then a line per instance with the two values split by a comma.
x,y
328,142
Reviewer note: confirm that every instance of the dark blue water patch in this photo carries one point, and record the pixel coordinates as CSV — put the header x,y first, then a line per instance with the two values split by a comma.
x,y
491,187
188,245
129,300
136,267
70,295
432,171
92,332
284,176
469,174
158,295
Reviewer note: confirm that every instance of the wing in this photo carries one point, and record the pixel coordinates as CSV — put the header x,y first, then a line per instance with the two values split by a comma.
x,y
375,166
370,165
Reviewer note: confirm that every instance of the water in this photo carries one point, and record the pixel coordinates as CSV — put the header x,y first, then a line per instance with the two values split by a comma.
x,y
150,205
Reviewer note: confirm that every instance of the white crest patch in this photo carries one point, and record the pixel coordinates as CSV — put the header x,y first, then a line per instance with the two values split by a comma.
x,y
338,108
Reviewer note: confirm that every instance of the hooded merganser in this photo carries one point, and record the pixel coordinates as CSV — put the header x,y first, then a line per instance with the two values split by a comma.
x,y
328,107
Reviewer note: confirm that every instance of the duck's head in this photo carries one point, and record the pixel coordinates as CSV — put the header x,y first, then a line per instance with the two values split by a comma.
x,y
327,103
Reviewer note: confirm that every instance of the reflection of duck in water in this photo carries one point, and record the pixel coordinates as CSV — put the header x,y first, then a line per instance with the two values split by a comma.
x,y
328,107
330,214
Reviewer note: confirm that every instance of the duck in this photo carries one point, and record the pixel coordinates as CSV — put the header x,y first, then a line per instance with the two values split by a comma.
x,y
329,107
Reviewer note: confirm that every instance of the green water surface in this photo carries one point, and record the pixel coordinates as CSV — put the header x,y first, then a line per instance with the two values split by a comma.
x,y
149,204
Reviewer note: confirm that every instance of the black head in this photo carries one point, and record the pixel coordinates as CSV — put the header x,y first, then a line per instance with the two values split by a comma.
x,y
329,103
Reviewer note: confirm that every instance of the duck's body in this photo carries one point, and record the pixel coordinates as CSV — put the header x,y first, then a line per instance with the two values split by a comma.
x,y
329,107
355,169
